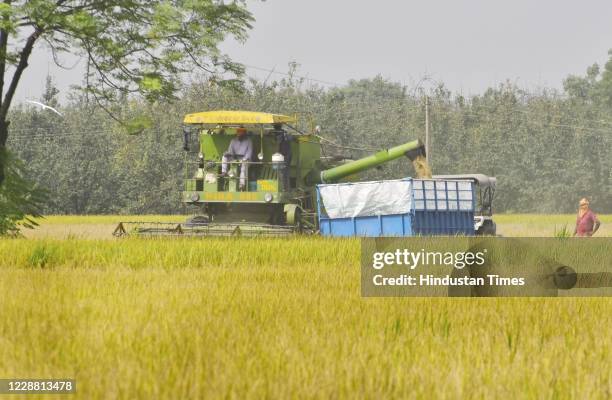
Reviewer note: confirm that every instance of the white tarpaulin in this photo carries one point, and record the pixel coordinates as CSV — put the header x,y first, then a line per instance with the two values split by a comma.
x,y
366,198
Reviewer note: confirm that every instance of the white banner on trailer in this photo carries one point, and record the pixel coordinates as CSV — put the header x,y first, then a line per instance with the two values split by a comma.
x,y
348,200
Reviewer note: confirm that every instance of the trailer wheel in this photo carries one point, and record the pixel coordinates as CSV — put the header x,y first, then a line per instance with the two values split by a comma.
x,y
488,228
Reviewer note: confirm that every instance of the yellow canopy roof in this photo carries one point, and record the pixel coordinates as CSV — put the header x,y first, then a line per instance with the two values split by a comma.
x,y
236,118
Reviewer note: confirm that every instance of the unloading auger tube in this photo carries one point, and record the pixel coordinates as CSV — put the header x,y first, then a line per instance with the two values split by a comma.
x,y
411,150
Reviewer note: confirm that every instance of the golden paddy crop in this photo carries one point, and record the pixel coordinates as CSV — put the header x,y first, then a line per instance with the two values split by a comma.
x,y
278,318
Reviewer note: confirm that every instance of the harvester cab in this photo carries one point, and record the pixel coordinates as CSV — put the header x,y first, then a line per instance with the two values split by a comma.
x,y
252,183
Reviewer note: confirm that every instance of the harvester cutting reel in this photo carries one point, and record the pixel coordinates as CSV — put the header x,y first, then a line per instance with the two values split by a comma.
x,y
186,229
297,221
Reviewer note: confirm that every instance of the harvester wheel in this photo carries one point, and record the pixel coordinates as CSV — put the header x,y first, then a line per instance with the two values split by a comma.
x,y
293,216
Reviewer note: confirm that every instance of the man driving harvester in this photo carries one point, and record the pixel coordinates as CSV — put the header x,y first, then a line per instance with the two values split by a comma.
x,y
240,149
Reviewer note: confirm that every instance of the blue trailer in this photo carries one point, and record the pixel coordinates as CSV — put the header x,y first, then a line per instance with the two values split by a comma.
x,y
404,207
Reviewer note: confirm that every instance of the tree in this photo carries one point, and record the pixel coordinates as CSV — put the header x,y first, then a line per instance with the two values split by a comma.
x,y
49,96
604,86
582,87
130,46
20,199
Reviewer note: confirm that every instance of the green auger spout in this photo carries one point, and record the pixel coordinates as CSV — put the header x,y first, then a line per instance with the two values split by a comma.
x,y
411,150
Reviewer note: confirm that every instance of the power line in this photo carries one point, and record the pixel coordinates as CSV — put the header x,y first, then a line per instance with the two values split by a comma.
x,y
273,71
346,107
526,112
336,84
545,123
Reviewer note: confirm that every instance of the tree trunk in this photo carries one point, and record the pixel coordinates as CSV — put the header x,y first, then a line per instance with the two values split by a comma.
x,y
10,92
4,125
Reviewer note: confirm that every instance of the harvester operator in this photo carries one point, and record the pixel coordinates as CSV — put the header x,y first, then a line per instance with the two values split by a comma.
x,y
284,148
240,149
282,138
587,222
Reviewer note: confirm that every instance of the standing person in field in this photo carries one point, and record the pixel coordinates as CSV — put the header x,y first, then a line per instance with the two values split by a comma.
x,y
586,222
240,149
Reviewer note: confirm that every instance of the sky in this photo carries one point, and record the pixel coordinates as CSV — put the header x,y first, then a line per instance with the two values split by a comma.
x,y
467,44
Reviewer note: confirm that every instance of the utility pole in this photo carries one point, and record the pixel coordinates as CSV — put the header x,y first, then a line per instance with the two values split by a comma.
x,y
428,154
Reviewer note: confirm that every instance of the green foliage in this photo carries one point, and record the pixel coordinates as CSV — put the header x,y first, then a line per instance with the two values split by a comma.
x,y
594,88
20,199
137,124
562,232
134,45
41,256
547,149
49,96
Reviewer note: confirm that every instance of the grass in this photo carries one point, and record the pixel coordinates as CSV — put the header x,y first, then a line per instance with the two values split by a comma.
x,y
563,232
89,226
101,226
278,318
106,219
544,225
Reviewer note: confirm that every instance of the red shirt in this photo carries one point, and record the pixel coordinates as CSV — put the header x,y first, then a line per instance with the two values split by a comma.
x,y
584,224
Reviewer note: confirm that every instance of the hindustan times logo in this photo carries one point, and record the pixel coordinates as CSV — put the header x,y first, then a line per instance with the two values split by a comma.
x,y
412,259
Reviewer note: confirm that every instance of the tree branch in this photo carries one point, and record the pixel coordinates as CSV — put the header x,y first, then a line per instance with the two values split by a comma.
x,y
55,55
3,48
21,66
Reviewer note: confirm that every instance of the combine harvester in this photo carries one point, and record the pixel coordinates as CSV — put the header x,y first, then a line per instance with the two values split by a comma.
x,y
272,197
